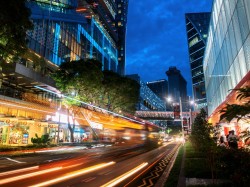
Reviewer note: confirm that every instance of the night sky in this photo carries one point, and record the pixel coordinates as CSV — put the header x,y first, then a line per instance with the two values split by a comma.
x,y
156,37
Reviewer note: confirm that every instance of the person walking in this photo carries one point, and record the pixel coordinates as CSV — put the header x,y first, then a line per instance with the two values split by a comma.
x,y
233,140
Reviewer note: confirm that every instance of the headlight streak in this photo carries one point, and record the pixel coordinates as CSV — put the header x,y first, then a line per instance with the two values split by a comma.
x,y
74,174
18,171
124,176
44,89
24,107
148,168
20,177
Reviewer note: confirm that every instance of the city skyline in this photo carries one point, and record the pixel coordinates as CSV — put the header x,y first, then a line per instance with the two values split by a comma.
x,y
156,38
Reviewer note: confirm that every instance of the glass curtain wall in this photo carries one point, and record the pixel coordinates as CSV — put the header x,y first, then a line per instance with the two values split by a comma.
x,y
227,55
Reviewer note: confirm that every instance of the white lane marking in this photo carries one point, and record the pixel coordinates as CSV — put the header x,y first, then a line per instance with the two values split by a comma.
x,y
18,170
88,179
15,160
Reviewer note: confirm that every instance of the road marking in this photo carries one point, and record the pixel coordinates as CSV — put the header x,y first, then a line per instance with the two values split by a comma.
x,y
88,179
14,160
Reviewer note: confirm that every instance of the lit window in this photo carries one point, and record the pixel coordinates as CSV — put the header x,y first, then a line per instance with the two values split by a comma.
x,y
193,41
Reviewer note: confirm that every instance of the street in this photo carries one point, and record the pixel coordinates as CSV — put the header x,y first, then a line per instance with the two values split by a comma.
x,y
104,166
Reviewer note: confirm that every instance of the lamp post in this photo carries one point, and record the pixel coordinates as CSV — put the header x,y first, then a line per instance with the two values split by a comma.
x,y
182,129
59,120
181,114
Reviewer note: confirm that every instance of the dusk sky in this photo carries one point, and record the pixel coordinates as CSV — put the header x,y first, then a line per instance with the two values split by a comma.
x,y
156,37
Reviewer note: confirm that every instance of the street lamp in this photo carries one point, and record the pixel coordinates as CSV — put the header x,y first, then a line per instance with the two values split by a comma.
x,y
181,114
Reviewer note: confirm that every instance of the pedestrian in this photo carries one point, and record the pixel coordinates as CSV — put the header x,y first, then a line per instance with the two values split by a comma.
x,y
222,142
233,140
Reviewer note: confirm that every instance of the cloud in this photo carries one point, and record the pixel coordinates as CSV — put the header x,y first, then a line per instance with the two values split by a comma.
x,y
156,37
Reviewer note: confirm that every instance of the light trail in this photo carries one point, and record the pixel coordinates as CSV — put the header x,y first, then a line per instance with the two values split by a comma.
x,y
18,171
115,114
124,176
74,174
20,177
24,107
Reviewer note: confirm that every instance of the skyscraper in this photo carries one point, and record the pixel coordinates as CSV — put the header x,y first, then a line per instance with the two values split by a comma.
x,y
227,58
69,30
121,25
177,85
197,29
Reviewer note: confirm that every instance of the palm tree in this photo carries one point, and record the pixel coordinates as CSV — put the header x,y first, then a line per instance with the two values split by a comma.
x,y
238,111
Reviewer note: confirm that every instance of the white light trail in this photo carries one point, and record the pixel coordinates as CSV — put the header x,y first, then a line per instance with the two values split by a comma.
x,y
124,176
89,105
20,177
74,174
18,171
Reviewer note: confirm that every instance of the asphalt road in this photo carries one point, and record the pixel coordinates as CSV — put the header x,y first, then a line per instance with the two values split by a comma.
x,y
103,166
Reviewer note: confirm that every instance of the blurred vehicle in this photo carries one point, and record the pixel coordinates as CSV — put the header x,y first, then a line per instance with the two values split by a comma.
x,y
168,139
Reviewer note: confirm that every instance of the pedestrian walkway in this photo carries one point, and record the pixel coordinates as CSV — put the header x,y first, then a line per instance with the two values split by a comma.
x,y
182,179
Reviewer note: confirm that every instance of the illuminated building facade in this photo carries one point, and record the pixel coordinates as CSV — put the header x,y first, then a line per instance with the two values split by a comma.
x,y
149,100
159,87
71,30
197,29
64,30
227,57
121,25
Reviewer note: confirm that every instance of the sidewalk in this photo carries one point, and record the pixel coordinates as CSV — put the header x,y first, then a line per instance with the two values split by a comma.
x,y
161,182
182,179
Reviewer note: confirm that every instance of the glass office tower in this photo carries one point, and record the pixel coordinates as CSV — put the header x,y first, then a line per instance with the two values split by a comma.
x,y
227,54
69,30
197,29
121,25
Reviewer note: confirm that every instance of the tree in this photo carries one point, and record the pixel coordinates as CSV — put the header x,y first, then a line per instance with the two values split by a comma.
x,y
238,111
120,93
84,80
202,139
14,19
79,80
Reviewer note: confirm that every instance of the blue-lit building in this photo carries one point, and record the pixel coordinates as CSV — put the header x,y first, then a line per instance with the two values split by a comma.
x,y
159,87
71,30
121,25
197,29
149,101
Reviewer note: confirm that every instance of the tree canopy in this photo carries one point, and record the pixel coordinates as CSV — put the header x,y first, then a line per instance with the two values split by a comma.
x,y
238,111
14,19
84,80
202,131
